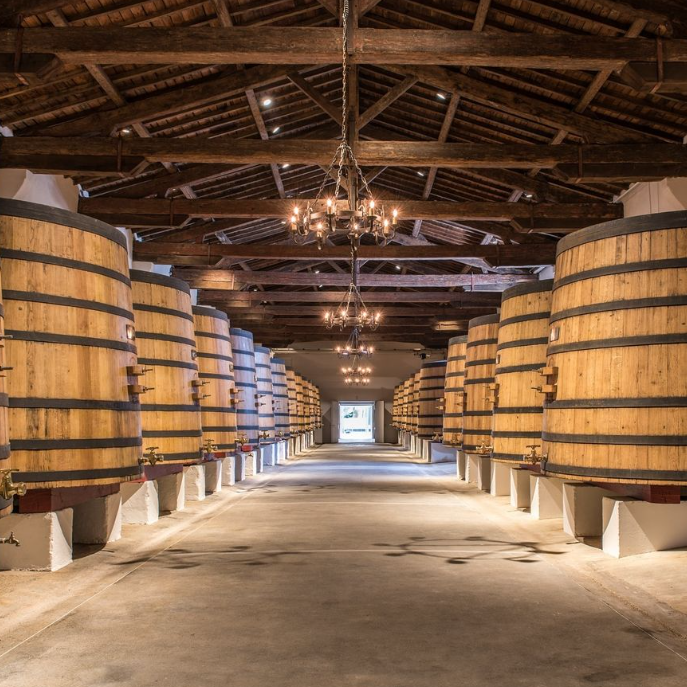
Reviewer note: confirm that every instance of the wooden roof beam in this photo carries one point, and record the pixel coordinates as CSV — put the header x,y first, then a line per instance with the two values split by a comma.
x,y
305,45
463,299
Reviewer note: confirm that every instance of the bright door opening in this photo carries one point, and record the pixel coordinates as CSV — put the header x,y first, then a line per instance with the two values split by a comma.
x,y
356,422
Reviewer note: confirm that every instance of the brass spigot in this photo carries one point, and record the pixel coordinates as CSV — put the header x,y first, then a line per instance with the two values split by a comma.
x,y
8,488
532,456
437,436
10,540
210,446
241,439
151,457
280,434
484,450
264,434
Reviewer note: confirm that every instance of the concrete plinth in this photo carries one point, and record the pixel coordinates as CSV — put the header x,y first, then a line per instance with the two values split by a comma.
x,y
195,482
461,465
229,470
520,488
140,503
500,479
583,509
213,476
171,492
438,453
425,449
45,541
268,454
478,470
281,451
631,527
240,466
253,463
546,494
98,521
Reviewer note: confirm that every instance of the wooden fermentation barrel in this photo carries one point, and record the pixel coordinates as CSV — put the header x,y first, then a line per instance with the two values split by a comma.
x,y
281,398
406,408
453,391
415,404
520,356
216,372
617,356
292,391
247,423
5,504
300,404
317,407
479,380
263,376
67,299
170,409
395,407
431,415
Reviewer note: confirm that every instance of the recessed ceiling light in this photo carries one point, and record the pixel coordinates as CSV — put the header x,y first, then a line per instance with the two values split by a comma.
x,y
317,271
286,165
276,129
398,267
266,102
421,174
441,96
127,130
528,195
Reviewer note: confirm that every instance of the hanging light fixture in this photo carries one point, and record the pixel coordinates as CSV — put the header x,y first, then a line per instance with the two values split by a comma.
x,y
355,215
352,310
357,381
354,348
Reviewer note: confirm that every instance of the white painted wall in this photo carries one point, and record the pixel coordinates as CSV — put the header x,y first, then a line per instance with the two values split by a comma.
x,y
46,189
648,198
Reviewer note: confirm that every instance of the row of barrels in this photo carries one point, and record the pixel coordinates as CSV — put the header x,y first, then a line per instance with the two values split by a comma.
x,y
586,373
103,367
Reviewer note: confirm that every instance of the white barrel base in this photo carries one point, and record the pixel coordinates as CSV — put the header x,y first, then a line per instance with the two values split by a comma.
x,y
251,463
268,454
479,470
140,503
500,479
195,482
441,454
520,496
240,466
98,521
229,470
45,541
213,476
461,465
546,501
425,447
583,509
281,451
171,492
632,527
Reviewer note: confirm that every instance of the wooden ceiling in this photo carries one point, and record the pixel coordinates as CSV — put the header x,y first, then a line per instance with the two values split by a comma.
x,y
495,127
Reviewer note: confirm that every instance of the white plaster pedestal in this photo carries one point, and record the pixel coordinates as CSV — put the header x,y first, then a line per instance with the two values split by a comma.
x,y
546,494
140,503
520,496
195,482
98,521
500,479
442,454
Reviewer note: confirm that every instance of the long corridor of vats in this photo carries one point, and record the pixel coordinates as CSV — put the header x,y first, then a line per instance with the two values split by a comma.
x,y
352,565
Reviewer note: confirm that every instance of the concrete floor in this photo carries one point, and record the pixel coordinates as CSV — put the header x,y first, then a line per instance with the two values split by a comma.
x,y
351,566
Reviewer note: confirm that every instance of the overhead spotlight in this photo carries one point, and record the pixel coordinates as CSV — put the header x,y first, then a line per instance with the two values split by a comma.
x,y
127,130
266,102
398,267
317,271
528,195
320,286
276,130
441,96
421,174
286,165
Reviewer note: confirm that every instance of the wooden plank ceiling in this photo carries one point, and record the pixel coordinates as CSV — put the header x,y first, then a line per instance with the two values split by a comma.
x,y
495,127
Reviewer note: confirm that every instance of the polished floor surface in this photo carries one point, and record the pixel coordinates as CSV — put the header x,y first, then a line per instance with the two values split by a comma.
x,y
350,566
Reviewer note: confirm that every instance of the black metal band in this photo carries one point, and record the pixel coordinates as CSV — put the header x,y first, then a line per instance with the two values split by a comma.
x,y
213,375
4,400
476,413
531,317
243,368
616,473
214,356
521,343
518,368
241,332
651,340
46,337
455,374
35,297
171,433
219,428
617,439
169,407
79,265
649,402
190,455
144,307
167,363
456,357
209,311
73,404
513,410
610,306
484,361
246,411
217,409
484,319
516,435
481,342
645,266
483,380
155,336
528,287
4,451
457,340
246,384
72,475
160,280
212,335
63,444
515,457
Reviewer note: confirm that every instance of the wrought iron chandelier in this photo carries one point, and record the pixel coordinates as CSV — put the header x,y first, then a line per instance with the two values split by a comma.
x,y
354,348
352,310
357,381
357,216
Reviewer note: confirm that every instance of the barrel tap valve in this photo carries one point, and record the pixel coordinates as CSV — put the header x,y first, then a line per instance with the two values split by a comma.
x,y
264,434
8,488
437,436
532,456
10,540
210,446
484,450
151,457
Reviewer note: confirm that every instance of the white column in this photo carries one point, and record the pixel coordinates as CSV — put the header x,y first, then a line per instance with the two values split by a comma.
x,y
520,496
